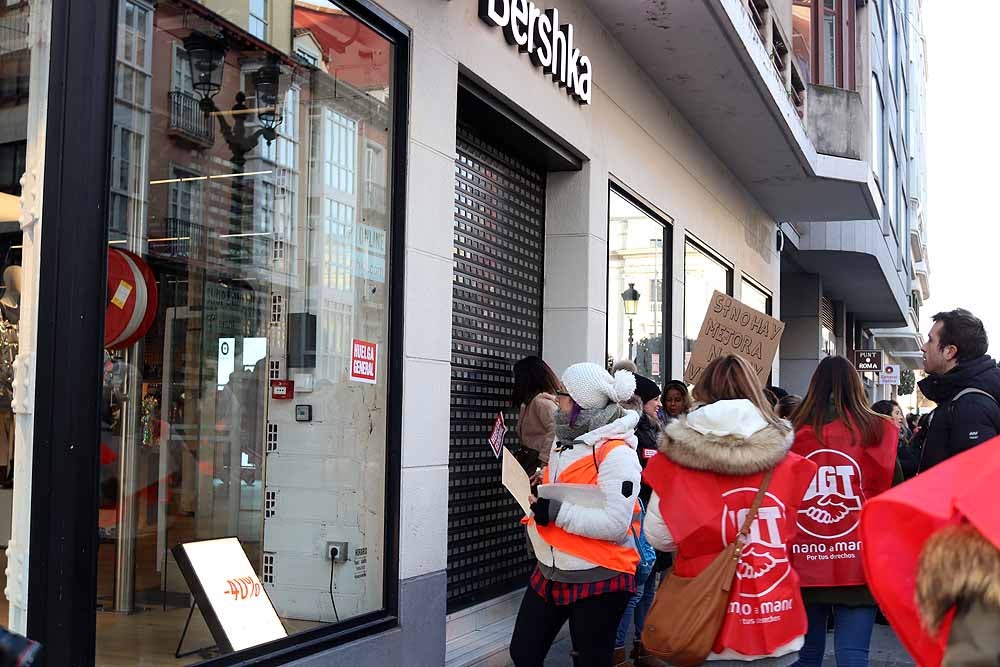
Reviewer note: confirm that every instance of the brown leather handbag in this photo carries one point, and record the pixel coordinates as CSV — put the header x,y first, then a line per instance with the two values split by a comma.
x,y
688,612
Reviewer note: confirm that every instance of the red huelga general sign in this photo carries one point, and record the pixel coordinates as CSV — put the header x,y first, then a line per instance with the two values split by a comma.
x,y
363,361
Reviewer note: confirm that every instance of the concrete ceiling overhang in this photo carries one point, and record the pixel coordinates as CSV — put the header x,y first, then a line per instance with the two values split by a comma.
x,y
903,344
856,278
707,58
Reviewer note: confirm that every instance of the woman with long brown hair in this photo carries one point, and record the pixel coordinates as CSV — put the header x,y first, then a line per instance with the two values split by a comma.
x,y
713,463
855,451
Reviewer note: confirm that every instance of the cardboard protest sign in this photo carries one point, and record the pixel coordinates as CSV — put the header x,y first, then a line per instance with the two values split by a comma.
x,y
731,327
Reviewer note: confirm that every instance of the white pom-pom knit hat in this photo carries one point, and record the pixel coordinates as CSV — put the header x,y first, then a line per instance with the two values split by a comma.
x,y
593,388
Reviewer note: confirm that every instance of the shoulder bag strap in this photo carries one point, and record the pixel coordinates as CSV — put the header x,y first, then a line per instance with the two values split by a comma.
x,y
758,499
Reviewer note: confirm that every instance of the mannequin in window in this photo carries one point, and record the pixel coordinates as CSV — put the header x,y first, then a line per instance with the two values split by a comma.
x,y
10,317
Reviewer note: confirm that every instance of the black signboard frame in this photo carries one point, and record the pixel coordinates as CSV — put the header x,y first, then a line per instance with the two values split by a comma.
x,y
869,357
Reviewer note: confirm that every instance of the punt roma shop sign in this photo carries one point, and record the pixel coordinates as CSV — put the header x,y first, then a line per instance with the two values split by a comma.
x,y
548,43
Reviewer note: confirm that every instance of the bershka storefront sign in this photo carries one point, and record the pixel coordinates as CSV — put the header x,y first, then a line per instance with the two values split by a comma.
x,y
538,33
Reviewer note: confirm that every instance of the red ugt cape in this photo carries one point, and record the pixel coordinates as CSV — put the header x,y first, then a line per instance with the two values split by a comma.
x,y
827,550
896,525
705,510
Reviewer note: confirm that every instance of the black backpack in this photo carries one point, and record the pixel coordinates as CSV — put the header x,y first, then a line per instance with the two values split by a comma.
x,y
949,411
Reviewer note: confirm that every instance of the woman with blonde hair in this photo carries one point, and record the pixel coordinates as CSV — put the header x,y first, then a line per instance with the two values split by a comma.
x,y
712,466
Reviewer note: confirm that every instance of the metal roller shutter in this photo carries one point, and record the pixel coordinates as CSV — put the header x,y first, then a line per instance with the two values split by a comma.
x,y
496,320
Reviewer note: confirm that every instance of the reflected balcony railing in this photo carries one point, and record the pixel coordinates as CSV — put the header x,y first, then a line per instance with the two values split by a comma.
x,y
179,239
188,121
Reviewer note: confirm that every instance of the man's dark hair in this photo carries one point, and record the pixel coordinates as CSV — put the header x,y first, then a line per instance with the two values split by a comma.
x,y
965,331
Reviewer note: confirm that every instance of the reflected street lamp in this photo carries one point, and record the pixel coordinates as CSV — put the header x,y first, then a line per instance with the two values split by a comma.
x,y
630,299
206,61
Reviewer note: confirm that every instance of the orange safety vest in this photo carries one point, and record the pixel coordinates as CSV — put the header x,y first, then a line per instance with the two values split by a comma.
x,y
599,552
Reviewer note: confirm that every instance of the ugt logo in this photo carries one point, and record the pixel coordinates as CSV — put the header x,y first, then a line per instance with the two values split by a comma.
x,y
764,560
831,507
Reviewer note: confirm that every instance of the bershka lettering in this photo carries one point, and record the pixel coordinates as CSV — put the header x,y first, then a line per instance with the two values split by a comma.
x,y
548,43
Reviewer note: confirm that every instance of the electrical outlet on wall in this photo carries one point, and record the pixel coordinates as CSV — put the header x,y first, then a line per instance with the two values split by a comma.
x,y
336,551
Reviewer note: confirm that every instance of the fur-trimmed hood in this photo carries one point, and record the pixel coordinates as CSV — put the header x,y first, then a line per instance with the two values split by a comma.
x,y
958,566
726,437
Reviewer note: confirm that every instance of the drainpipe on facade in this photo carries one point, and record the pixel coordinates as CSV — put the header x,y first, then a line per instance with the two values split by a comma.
x,y
23,402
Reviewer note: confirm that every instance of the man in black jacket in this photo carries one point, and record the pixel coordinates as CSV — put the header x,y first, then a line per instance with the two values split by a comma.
x,y
964,382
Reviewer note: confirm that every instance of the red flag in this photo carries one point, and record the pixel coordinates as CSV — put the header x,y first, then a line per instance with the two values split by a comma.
x,y
896,524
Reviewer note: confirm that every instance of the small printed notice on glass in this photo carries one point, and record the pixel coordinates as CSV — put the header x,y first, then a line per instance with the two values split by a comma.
x,y
364,357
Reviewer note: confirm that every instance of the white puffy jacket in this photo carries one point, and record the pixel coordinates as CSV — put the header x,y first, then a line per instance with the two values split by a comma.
x,y
619,471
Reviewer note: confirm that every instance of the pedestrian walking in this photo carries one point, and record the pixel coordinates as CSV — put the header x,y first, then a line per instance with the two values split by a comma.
x,y
676,400
587,573
931,551
647,433
534,395
725,474
964,382
855,450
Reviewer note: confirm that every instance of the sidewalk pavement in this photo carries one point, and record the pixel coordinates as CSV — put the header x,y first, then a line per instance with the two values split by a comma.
x,y
886,651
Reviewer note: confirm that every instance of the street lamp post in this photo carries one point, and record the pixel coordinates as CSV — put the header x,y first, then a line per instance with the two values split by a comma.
x,y
630,299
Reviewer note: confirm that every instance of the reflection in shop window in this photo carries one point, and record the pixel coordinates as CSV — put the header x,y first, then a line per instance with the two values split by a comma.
x,y
258,19
15,71
269,244
755,297
635,256
703,274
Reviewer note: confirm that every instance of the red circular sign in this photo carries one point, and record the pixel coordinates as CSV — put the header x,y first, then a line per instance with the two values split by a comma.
x,y
132,299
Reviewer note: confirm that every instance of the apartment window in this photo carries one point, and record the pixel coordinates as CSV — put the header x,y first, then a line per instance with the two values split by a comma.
x,y
637,238
891,56
878,132
258,19
823,40
704,273
755,296
889,192
901,227
134,73
903,115
180,78
128,148
340,135
307,57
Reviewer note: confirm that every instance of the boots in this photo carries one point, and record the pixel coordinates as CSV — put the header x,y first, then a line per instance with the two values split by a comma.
x,y
644,659
619,659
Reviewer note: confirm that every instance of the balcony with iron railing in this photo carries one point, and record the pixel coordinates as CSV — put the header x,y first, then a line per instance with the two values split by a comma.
x,y
180,238
188,122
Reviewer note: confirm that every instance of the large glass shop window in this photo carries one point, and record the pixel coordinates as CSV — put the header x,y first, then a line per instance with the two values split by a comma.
x,y
15,61
703,274
636,284
246,361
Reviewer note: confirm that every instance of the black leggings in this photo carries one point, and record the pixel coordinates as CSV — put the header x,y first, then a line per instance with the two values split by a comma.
x,y
593,622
